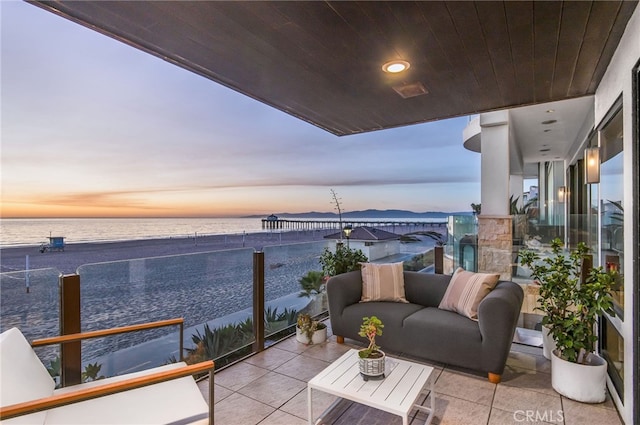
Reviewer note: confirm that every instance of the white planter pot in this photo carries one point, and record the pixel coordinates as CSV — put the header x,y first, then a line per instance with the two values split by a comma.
x,y
319,336
372,368
548,343
581,382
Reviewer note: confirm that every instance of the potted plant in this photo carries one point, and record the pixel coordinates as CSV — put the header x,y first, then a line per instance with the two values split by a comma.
x,y
572,297
343,260
309,331
372,359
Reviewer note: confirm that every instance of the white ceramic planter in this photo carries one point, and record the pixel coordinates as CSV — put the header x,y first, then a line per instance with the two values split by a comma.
x,y
585,383
548,343
372,368
319,336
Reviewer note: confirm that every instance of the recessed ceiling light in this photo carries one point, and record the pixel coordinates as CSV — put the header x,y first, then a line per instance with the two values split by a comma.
x,y
396,66
548,122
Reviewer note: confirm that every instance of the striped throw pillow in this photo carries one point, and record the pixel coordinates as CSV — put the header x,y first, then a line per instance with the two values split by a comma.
x,y
466,290
382,282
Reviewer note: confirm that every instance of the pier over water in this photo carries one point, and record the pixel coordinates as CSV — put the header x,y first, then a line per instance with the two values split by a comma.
x,y
274,223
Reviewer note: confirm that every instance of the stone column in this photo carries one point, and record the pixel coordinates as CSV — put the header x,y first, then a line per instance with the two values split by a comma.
x,y
494,245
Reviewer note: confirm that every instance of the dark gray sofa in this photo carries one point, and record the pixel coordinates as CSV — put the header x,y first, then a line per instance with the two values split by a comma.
x,y
421,329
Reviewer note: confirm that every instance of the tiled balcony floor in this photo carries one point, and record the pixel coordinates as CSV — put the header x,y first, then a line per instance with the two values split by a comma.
x,y
270,388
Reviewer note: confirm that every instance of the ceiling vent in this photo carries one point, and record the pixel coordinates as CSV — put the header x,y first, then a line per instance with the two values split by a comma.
x,y
411,90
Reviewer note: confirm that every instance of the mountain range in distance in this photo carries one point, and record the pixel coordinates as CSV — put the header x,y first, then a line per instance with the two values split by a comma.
x,y
371,213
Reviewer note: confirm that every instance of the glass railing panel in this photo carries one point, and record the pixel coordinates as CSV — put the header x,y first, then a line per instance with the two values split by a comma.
x,y
211,291
462,246
285,295
30,301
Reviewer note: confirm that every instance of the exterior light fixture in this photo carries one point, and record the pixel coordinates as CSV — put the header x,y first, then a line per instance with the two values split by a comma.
x,y
562,194
347,232
592,165
393,67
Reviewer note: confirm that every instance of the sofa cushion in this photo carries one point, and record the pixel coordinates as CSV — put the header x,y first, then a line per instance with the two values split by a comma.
x,y
382,282
466,290
23,377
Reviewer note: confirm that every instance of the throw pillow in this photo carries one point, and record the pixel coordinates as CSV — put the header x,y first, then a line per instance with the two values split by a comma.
x,y
382,282
466,290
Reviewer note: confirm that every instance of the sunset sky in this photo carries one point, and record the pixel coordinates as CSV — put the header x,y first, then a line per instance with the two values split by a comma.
x,y
92,127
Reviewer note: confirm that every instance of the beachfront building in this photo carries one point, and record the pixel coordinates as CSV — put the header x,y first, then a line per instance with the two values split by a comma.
x,y
556,85
374,243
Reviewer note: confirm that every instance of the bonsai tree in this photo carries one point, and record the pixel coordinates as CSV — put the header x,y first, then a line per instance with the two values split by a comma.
x,y
571,302
370,328
343,260
308,326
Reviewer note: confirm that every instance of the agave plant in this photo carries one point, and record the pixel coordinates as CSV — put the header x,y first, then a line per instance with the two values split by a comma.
x,y
313,283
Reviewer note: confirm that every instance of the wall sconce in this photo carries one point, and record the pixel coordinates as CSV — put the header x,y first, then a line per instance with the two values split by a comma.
x,y
562,194
592,165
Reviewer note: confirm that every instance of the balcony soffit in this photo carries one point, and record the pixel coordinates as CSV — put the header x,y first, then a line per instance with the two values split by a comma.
x,y
321,61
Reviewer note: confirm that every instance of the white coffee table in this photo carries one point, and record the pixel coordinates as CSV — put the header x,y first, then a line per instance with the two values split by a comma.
x,y
396,393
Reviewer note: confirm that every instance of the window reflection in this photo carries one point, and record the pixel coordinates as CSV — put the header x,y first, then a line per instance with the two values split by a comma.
x,y
611,205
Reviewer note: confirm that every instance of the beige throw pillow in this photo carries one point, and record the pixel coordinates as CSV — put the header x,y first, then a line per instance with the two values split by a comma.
x,y
383,282
466,290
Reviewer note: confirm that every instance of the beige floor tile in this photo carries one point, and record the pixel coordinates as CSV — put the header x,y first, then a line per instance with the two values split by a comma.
x,y
219,393
327,351
529,361
514,399
576,413
466,387
528,379
282,418
271,358
273,389
302,368
455,411
297,406
290,344
502,417
239,375
240,410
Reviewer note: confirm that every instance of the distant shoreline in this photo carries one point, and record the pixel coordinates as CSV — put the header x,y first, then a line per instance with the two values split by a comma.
x,y
13,258
77,254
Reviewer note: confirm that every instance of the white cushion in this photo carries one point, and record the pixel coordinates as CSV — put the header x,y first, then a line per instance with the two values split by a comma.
x,y
23,377
179,401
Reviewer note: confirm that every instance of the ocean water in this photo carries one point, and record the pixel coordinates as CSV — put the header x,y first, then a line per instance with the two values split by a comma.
x,y
21,232
18,232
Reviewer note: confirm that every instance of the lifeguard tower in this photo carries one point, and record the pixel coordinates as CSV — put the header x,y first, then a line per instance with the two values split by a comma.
x,y
56,243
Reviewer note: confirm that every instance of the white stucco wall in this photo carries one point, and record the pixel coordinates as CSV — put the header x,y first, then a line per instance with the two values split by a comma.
x,y
617,81
495,163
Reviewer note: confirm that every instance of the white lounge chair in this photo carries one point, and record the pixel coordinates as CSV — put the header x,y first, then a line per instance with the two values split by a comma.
x,y
162,395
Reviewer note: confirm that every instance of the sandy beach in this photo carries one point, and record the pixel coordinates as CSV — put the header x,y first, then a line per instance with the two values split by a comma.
x,y
78,254
75,255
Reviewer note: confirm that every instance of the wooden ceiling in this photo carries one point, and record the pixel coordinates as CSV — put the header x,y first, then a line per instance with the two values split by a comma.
x,y
321,61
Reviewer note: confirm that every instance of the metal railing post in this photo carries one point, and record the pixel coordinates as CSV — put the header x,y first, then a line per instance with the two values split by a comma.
x,y
70,352
258,300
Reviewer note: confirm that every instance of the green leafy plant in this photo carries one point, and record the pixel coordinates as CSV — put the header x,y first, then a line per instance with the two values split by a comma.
x,y
524,209
313,283
571,307
343,260
92,372
308,326
370,328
